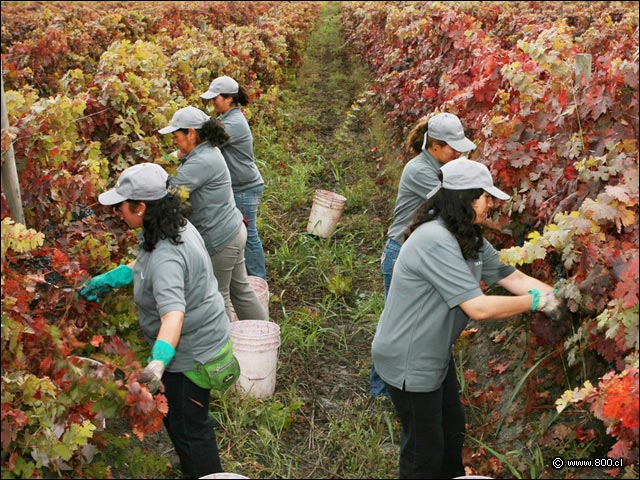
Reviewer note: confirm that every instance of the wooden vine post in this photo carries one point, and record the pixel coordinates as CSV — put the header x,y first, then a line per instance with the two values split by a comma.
x,y
10,183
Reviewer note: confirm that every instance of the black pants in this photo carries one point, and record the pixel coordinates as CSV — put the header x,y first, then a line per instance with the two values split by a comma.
x,y
189,426
433,428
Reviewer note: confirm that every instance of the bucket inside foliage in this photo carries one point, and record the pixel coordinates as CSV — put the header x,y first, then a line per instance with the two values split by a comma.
x,y
325,212
255,345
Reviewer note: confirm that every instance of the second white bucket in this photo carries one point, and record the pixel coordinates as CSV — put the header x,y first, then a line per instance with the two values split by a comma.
x,y
255,345
261,287
325,212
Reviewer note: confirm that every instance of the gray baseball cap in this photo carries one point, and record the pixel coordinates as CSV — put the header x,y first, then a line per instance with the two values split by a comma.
x,y
224,84
465,174
448,128
145,181
187,117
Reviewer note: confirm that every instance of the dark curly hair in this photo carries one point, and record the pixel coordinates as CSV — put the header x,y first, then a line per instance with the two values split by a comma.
x,y
455,208
213,131
163,219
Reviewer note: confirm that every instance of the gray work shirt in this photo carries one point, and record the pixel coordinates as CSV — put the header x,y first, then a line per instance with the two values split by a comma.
x,y
419,177
213,209
421,317
238,151
180,278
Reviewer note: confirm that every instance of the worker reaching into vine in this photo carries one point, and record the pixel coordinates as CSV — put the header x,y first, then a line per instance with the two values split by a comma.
x,y
180,311
434,292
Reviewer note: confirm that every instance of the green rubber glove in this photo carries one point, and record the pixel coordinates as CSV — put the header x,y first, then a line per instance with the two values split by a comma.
x,y
99,285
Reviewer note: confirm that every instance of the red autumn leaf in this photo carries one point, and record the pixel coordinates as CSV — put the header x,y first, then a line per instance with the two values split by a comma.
x,y
429,93
621,449
562,98
162,405
500,368
59,261
627,287
12,423
470,376
621,402
570,173
584,435
468,332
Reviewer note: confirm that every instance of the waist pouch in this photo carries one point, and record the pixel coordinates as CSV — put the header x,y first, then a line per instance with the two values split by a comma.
x,y
219,373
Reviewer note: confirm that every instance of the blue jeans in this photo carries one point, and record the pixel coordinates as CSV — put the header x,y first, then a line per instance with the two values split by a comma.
x,y
433,428
247,202
389,257
190,427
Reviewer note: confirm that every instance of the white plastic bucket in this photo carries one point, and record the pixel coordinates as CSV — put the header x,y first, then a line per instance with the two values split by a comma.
x,y
255,345
261,287
223,475
325,212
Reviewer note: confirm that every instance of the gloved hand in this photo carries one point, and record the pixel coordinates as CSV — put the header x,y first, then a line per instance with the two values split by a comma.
x,y
99,285
152,375
550,304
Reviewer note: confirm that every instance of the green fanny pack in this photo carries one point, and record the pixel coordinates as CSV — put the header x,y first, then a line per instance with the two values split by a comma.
x,y
219,373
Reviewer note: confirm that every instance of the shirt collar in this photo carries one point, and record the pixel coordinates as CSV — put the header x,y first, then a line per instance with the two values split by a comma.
x,y
228,113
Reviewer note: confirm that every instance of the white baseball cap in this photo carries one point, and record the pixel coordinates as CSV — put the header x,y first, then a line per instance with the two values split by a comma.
x,y
465,174
224,84
447,127
144,181
187,117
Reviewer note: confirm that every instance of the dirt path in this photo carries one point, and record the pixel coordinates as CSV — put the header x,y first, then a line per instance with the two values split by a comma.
x,y
338,424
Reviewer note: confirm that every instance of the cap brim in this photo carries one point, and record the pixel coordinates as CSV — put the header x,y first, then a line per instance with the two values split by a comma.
x,y
463,145
111,197
496,192
209,95
168,129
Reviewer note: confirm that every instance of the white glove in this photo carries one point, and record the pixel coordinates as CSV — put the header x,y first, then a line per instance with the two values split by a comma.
x,y
152,375
551,305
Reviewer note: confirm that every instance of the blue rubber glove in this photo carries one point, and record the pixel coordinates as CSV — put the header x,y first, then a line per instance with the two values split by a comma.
x,y
99,285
